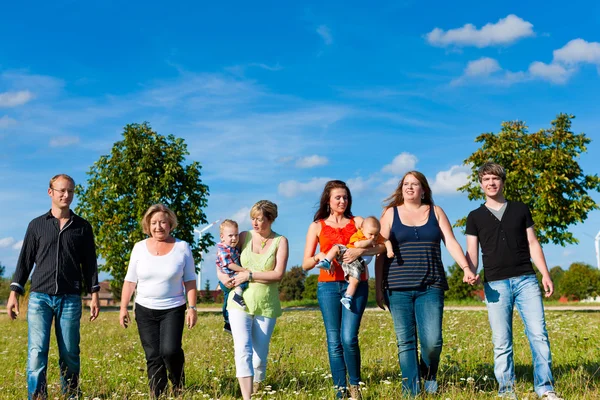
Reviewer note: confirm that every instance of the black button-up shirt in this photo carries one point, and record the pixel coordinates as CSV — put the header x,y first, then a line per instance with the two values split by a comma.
x,y
504,244
65,259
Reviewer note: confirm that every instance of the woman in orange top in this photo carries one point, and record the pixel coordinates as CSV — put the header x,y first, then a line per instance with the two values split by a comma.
x,y
333,224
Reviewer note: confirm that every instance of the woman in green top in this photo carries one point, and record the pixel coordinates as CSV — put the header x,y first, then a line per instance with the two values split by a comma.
x,y
264,255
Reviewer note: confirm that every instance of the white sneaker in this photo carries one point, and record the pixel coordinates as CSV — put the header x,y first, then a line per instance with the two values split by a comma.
x,y
431,386
508,395
551,395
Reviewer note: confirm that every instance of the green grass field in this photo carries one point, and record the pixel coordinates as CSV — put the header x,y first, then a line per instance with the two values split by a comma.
x,y
113,364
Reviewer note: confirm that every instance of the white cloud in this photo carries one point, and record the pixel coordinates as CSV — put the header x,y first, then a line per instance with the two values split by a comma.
x,y
6,242
325,34
14,99
293,188
6,121
18,245
401,164
554,73
275,67
311,161
63,141
578,51
488,70
504,32
446,182
357,184
241,216
390,185
483,67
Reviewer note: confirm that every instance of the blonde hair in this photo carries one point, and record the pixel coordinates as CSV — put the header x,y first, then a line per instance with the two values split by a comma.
x,y
371,221
228,222
267,208
153,209
59,176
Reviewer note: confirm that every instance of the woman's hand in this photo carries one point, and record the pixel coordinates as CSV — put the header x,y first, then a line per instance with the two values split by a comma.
x,y
379,298
124,317
191,317
240,278
352,254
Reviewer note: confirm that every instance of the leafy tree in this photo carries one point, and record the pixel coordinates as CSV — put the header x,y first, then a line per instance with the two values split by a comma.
x,y
580,281
205,295
542,172
458,289
144,168
292,284
556,274
2,270
310,287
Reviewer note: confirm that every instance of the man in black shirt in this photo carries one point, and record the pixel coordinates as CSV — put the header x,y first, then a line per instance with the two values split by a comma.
x,y
61,245
508,243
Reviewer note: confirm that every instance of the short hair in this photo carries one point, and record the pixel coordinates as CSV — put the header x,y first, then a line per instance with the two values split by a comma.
x,y
59,176
491,168
228,222
153,209
267,208
372,221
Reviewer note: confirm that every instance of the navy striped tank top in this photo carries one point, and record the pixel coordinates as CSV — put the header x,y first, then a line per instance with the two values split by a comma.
x,y
418,260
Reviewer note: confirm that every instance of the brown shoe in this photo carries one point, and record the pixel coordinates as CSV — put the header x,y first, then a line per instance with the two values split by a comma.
x,y
355,392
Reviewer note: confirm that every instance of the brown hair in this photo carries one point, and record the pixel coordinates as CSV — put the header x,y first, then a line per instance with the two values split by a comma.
x,y
397,198
59,176
491,168
228,222
323,210
267,208
171,217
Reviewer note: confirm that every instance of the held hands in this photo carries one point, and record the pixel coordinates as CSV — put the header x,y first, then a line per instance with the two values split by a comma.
x,y
124,319
469,277
240,278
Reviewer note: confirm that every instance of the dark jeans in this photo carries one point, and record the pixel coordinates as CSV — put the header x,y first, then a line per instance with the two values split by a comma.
x,y
160,333
226,291
341,327
417,313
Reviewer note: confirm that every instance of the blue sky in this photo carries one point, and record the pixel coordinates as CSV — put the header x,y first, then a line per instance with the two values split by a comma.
x,y
274,99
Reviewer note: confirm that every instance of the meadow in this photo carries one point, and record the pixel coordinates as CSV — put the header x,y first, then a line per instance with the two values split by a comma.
x,y
113,365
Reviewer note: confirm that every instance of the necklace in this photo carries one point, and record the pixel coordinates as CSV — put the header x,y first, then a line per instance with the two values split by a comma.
x,y
263,241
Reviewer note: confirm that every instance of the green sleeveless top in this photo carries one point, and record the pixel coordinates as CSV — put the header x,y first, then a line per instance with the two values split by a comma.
x,y
261,298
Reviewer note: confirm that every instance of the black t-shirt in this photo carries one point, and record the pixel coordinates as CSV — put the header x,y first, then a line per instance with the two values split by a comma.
x,y
504,244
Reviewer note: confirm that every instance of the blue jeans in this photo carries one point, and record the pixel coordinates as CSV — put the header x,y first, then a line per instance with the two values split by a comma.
x,y
226,291
341,327
417,313
501,297
66,310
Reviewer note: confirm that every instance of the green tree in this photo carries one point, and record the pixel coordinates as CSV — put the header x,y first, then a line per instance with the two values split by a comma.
x,y
542,172
144,168
580,282
205,295
2,270
310,287
458,290
291,286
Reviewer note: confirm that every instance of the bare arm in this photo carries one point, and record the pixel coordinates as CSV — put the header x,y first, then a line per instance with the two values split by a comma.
x,y
453,246
275,275
235,267
473,252
191,316
126,293
537,256
386,226
363,244
311,259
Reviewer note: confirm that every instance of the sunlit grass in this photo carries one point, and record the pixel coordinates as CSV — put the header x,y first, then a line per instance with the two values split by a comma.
x,y
113,364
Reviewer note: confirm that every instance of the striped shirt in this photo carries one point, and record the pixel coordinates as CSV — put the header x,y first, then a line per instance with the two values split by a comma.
x,y
65,259
418,261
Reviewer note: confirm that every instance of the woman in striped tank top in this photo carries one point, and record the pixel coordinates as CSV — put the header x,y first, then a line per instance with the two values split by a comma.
x,y
412,284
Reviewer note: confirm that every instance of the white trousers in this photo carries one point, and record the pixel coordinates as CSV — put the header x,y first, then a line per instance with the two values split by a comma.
x,y
251,338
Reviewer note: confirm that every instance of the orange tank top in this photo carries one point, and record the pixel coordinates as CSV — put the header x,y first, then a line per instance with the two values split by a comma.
x,y
330,236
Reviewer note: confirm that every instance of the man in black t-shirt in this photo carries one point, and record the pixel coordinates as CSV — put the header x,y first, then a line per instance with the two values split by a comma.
x,y
508,244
